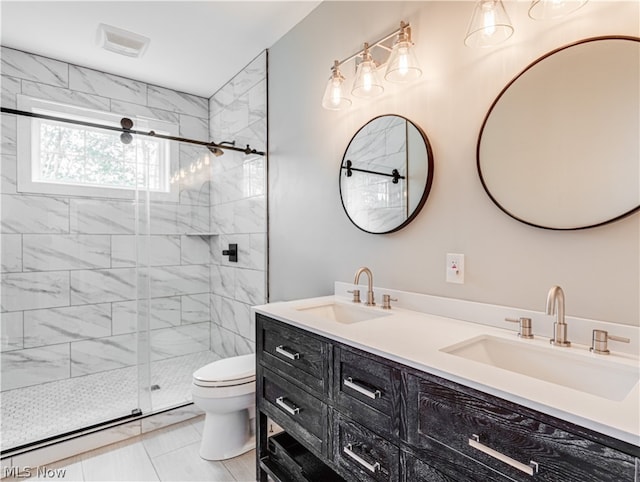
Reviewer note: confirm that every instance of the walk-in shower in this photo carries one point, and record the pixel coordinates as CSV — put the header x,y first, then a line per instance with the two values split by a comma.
x,y
114,287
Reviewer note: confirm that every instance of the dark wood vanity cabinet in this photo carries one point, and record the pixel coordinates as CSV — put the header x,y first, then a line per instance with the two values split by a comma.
x,y
351,415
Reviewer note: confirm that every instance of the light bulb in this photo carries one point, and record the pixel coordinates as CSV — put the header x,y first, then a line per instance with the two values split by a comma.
x,y
489,19
367,79
403,61
336,92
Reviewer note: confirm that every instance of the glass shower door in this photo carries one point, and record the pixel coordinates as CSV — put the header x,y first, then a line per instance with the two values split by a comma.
x,y
70,278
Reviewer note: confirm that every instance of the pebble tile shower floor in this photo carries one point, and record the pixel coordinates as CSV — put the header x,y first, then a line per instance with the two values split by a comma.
x,y
33,413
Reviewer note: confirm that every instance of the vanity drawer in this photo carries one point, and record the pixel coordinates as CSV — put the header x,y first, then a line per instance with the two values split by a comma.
x,y
297,354
513,443
363,455
445,465
366,389
295,410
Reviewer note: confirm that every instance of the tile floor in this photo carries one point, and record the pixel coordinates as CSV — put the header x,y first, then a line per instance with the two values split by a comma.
x,y
168,454
33,413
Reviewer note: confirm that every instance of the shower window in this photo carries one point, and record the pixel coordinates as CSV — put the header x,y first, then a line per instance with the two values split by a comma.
x,y
62,158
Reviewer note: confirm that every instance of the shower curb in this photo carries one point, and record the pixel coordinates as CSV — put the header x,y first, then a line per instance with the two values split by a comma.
x,y
88,440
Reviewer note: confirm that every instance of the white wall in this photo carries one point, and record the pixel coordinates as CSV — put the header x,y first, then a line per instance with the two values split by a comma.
x,y
312,242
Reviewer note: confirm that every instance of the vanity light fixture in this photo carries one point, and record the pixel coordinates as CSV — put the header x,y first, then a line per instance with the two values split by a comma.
x,y
552,9
401,66
489,24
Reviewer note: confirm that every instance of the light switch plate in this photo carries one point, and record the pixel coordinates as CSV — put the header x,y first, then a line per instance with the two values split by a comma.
x,y
455,268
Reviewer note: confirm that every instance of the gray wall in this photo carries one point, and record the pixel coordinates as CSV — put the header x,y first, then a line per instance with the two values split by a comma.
x,y
312,243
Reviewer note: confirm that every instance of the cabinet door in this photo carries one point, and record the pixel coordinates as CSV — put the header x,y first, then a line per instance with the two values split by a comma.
x,y
506,440
363,455
367,390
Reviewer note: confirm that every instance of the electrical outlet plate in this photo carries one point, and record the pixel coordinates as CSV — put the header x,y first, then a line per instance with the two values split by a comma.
x,y
455,268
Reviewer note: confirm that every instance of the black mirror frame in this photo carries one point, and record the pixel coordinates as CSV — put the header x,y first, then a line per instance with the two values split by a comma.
x,y
427,186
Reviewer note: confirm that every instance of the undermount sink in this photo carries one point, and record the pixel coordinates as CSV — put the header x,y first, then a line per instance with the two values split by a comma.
x,y
343,313
601,377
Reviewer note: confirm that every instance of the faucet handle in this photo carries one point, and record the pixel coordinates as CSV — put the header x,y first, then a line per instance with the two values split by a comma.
x,y
599,341
525,326
356,295
386,301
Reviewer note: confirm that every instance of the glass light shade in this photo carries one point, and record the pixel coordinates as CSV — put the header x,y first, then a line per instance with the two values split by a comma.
x,y
552,9
334,98
402,65
368,83
489,24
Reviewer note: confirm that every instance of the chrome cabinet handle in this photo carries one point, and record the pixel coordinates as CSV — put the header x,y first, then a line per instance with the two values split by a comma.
x,y
293,410
373,468
530,469
292,356
348,382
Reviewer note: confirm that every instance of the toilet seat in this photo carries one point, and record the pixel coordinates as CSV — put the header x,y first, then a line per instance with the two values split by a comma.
x,y
228,372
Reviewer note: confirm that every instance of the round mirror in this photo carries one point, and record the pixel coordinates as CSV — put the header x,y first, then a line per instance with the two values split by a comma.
x,y
559,148
386,174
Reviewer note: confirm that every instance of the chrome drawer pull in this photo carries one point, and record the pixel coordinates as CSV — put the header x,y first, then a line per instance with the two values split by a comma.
x,y
348,382
530,469
292,356
293,410
373,468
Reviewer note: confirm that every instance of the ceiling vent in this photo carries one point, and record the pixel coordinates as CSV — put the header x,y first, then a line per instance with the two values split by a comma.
x,y
121,41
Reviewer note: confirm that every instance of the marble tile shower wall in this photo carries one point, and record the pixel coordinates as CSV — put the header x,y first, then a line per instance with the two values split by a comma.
x,y
238,112
68,263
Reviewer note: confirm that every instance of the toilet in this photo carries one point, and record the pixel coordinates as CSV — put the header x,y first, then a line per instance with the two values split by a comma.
x,y
225,390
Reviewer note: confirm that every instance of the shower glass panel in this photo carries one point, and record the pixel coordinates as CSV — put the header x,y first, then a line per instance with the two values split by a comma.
x,y
105,296
71,301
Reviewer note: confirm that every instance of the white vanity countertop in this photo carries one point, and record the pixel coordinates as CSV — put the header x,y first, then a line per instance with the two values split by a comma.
x,y
415,339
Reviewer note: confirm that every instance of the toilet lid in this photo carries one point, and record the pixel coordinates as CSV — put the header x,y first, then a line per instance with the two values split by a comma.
x,y
228,371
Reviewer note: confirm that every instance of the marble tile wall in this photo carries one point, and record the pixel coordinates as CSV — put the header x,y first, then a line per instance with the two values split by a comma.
x,y
69,277
238,209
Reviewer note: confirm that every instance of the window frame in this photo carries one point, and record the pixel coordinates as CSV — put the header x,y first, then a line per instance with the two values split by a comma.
x,y
28,145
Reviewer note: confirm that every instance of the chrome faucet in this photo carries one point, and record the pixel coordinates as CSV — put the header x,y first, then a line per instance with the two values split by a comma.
x,y
367,271
555,304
